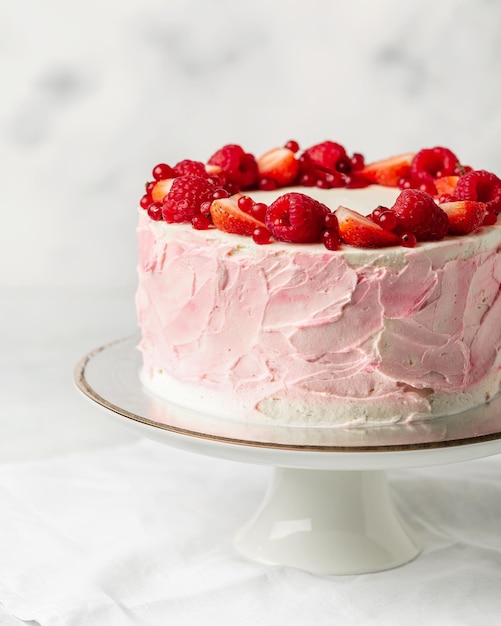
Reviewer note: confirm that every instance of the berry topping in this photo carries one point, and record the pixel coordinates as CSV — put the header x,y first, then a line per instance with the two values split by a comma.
x,y
161,189
388,172
185,198
296,218
446,185
229,217
261,235
162,171
327,155
481,186
408,240
330,239
358,230
190,168
155,211
292,145
417,213
239,167
434,162
464,216
279,164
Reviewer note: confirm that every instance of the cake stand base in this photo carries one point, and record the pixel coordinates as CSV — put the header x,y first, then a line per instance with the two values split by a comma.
x,y
328,522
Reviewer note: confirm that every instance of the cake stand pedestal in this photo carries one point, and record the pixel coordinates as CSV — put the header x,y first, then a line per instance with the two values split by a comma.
x,y
328,508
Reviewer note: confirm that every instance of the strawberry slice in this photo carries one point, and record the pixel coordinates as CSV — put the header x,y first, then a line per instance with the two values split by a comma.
x,y
161,189
388,172
280,164
229,217
446,185
465,216
358,230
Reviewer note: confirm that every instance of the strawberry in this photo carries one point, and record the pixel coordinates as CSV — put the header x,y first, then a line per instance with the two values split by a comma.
x,y
389,171
229,217
358,230
465,216
280,164
446,185
161,188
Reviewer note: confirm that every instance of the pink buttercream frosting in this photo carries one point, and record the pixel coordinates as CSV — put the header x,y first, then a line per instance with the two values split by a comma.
x,y
302,334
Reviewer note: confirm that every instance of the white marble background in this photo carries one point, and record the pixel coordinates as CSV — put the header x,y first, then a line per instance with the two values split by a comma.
x,y
94,93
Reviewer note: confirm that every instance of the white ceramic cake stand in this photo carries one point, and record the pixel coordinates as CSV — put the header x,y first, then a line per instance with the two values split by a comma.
x,y
328,508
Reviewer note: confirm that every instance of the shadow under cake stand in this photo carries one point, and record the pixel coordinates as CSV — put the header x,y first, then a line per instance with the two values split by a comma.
x,y
328,508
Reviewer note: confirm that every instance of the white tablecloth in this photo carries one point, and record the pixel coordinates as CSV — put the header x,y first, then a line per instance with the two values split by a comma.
x,y
99,528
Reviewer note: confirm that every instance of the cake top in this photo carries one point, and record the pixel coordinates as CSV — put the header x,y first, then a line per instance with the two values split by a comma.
x,y
272,197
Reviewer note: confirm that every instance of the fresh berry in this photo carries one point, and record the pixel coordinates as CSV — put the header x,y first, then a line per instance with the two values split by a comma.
x,y
387,220
239,167
408,240
330,222
434,162
326,155
422,182
245,203
296,218
186,197
145,201
155,211
149,186
387,172
267,184
465,216
490,219
229,217
354,181
357,161
292,145
201,222
481,186
417,213
258,210
357,230
446,185
161,189
261,235
279,164
220,193
330,239
187,167
162,170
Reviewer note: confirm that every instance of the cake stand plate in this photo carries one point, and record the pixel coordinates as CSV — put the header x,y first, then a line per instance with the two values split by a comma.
x,y
328,507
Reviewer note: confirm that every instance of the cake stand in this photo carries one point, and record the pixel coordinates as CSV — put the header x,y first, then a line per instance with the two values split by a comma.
x,y
328,508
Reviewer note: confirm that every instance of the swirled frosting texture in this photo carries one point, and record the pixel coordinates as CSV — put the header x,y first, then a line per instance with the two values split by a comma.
x,y
298,334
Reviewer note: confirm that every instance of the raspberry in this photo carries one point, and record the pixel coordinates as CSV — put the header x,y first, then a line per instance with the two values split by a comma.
x,y
328,156
190,168
417,213
434,162
296,218
481,186
239,167
185,198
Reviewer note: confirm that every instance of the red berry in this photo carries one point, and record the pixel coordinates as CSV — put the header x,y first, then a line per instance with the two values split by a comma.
x,y
387,220
357,161
162,171
245,203
292,145
239,167
490,219
261,235
145,201
465,216
190,168
388,172
331,222
417,213
149,186
229,217
296,218
358,230
258,210
436,162
155,211
330,239
220,193
408,240
201,222
267,184
481,186
326,155
186,197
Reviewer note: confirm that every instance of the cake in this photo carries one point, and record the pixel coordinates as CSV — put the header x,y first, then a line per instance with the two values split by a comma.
x,y
313,288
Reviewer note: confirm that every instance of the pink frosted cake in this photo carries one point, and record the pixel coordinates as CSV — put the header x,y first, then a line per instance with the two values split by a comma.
x,y
310,288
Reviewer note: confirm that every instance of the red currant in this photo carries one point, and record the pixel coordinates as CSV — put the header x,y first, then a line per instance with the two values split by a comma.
x,y
267,184
201,222
261,235
258,211
145,201
245,204
408,240
155,211
331,240
162,171
292,145
387,220
220,193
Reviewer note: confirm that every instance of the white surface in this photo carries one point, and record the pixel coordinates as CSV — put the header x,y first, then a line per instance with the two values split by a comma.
x,y
97,527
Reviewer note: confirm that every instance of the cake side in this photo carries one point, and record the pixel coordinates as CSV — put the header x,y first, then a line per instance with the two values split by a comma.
x,y
304,335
